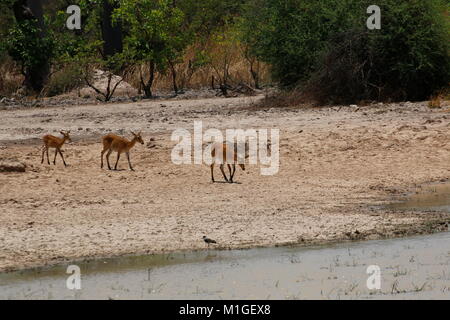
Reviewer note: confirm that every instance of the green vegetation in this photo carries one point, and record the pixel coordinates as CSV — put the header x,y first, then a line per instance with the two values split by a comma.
x,y
322,49
325,49
156,36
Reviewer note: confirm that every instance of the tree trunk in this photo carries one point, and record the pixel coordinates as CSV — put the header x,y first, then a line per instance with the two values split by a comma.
x,y
111,34
255,76
35,76
147,86
174,76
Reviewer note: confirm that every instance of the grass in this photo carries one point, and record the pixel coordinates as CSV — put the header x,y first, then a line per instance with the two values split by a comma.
x,y
400,272
441,99
11,79
435,102
190,73
419,288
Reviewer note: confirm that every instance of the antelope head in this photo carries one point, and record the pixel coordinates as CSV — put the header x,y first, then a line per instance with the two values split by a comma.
x,y
66,135
138,137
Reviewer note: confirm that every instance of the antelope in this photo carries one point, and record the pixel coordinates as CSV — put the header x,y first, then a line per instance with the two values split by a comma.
x,y
54,142
111,143
230,156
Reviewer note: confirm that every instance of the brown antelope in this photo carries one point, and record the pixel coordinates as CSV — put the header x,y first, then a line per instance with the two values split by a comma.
x,y
54,142
230,156
111,143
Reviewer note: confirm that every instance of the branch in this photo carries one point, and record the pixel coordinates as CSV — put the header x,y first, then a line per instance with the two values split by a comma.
x,y
93,87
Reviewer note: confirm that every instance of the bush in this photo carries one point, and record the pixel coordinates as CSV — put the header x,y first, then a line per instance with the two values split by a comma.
x,y
10,80
326,48
64,80
31,50
291,34
343,76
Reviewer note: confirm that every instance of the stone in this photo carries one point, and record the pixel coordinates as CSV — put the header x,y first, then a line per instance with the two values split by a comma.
x,y
11,165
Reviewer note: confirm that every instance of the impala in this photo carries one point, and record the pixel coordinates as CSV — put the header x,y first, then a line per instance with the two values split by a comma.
x,y
112,142
54,142
230,156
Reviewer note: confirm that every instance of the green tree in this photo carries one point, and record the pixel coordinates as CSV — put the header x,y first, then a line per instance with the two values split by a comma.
x,y
291,34
326,47
29,43
156,35
98,45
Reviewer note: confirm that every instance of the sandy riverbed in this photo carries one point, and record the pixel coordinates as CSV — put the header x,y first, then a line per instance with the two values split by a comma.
x,y
337,165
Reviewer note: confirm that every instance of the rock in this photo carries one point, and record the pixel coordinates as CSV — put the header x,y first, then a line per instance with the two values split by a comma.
x,y
11,165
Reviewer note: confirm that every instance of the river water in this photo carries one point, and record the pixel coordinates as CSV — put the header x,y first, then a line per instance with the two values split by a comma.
x,y
415,267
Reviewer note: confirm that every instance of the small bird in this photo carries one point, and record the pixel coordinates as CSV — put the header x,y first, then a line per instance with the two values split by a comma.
x,y
208,241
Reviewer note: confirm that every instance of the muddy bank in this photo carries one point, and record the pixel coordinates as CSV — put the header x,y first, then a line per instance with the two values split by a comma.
x,y
338,167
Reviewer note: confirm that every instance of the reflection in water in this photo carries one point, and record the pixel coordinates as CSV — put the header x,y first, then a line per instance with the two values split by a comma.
x,y
433,197
416,267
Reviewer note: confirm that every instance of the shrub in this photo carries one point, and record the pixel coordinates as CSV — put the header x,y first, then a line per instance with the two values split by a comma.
x,y
343,76
325,48
291,35
64,80
32,51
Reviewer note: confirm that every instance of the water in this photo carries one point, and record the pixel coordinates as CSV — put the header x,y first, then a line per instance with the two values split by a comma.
x,y
432,197
415,267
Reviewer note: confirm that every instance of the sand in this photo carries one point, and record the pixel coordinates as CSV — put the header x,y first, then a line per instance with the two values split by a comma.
x,y
339,167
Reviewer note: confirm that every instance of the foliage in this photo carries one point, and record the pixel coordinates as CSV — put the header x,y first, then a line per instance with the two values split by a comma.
x,y
321,47
27,48
64,80
290,35
155,34
326,45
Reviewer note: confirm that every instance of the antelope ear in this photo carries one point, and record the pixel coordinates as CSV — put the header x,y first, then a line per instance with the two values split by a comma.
x,y
134,134
68,132
62,132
